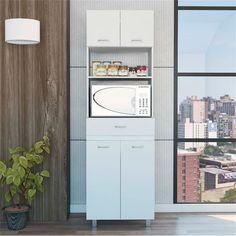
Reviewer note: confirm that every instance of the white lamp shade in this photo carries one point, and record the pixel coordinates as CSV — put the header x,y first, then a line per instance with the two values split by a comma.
x,y
22,31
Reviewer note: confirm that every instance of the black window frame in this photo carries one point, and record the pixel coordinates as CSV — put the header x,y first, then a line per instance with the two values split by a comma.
x,y
177,74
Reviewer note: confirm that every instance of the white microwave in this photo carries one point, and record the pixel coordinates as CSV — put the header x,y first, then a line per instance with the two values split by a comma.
x,y
120,100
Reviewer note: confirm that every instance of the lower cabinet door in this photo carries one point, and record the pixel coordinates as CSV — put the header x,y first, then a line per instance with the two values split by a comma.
x,y
137,180
103,180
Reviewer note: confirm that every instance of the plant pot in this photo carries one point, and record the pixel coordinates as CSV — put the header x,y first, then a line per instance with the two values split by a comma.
x,y
16,217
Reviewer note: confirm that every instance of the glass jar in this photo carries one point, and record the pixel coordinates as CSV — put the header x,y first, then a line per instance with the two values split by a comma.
x,y
106,63
117,63
112,70
132,71
123,71
94,67
141,71
101,70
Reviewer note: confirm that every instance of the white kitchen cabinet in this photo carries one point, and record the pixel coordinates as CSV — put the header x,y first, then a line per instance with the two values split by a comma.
x,y
103,28
137,28
137,180
120,180
103,180
124,28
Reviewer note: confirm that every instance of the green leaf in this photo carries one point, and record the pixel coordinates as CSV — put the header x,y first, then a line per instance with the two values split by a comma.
x,y
8,196
45,173
16,180
15,165
40,187
31,193
9,179
15,157
23,161
2,167
38,179
21,171
20,149
12,151
46,149
13,189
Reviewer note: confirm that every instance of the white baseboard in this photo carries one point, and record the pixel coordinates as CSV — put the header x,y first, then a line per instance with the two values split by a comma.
x,y
81,208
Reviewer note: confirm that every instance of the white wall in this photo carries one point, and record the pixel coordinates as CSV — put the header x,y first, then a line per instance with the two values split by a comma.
x,y
163,97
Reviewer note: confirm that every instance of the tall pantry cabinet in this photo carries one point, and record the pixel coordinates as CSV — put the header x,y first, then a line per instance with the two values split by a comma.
x,y
120,151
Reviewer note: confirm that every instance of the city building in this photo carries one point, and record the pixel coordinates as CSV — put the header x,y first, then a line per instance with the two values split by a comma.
x,y
233,126
215,182
192,130
194,109
223,124
188,184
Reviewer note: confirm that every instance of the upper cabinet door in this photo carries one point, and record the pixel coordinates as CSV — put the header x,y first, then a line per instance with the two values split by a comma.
x,y
137,28
103,28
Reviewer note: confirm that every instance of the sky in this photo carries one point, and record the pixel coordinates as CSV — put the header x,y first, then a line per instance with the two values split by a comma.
x,y
207,2
206,43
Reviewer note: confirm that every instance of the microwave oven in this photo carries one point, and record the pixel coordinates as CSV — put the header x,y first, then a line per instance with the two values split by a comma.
x,y
120,100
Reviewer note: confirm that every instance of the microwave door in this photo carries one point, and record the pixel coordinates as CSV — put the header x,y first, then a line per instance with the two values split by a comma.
x,y
113,101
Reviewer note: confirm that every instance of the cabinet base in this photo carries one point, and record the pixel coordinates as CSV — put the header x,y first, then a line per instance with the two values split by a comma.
x,y
94,224
148,223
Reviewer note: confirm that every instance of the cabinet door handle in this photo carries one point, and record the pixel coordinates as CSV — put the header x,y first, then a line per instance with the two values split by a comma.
x,y
136,40
120,126
103,40
104,147
138,147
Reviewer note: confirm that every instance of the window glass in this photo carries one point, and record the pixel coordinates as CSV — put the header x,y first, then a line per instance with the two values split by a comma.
x,y
207,2
206,41
206,107
206,172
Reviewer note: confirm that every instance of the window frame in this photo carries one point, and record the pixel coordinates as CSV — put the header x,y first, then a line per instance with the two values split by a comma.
x,y
177,74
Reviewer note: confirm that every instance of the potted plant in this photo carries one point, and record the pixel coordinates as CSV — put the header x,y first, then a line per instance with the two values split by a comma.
x,y
22,180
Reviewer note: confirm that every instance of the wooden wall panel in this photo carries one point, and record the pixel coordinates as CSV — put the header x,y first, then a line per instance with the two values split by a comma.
x,y
33,96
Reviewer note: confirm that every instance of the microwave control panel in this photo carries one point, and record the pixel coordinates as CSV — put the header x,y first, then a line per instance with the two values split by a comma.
x,y
143,103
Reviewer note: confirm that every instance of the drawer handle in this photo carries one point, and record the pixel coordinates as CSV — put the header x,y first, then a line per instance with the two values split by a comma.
x,y
120,126
138,147
136,40
103,40
103,147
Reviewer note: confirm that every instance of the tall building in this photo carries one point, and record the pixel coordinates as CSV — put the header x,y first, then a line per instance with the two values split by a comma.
x,y
199,110
194,109
227,105
192,130
212,131
185,109
223,124
233,126
188,179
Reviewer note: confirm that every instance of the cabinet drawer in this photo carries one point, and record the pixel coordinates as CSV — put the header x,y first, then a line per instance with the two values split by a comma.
x,y
129,126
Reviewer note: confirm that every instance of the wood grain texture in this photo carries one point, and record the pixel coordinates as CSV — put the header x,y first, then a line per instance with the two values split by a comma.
x,y
33,96
182,224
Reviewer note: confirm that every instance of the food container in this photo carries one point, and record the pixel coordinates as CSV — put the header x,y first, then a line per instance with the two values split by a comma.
x,y
141,71
112,70
117,63
123,71
101,70
94,66
132,71
107,63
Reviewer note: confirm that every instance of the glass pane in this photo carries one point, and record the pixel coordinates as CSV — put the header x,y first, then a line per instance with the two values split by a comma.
x,y
207,107
206,41
206,172
207,2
